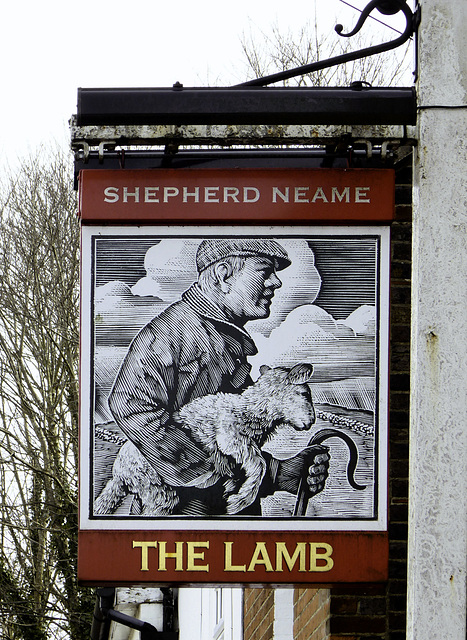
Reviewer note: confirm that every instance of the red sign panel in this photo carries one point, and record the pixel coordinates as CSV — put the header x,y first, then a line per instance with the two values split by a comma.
x,y
218,195
212,557
234,377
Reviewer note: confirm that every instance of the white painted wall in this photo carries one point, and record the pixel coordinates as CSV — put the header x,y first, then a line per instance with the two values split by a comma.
x,y
438,459
210,613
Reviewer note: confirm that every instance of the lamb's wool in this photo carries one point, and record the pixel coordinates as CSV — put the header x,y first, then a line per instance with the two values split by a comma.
x,y
228,426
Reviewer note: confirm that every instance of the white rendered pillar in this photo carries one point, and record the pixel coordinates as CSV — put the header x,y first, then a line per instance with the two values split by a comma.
x,y
283,614
438,458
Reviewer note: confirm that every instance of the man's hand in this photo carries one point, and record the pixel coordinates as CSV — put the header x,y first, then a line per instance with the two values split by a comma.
x,y
307,470
318,469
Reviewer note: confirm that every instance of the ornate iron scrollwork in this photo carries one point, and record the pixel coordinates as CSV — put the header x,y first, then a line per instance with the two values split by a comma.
x,y
386,7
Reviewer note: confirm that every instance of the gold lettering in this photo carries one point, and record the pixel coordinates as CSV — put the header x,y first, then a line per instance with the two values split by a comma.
x,y
228,566
282,553
320,556
144,552
192,556
260,556
178,555
315,556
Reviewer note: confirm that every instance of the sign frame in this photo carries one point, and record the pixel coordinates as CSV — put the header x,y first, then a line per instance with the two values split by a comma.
x,y
220,548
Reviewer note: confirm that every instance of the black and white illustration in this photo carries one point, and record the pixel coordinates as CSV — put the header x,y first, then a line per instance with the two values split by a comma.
x,y
236,375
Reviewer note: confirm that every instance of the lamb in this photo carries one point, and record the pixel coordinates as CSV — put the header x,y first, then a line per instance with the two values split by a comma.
x,y
228,426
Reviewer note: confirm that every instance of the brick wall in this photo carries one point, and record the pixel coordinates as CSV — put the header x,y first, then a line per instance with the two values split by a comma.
x,y
378,613
311,614
258,614
399,406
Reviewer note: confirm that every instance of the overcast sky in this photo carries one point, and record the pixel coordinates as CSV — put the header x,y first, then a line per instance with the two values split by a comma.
x,y
50,48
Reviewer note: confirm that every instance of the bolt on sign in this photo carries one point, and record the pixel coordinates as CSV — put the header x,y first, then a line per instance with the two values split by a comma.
x,y
234,375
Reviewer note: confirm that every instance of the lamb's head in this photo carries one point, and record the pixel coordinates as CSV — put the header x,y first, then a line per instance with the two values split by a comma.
x,y
282,397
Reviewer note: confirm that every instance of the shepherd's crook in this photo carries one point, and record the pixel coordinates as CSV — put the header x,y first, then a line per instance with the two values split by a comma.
x,y
303,494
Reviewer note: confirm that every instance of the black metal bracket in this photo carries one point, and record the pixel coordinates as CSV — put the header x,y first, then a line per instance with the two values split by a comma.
x,y
147,631
251,113
105,613
386,7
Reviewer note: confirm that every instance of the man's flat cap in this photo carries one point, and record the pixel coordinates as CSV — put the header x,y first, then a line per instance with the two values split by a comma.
x,y
211,251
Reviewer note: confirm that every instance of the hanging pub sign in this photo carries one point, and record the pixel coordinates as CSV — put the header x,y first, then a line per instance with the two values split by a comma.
x,y
234,376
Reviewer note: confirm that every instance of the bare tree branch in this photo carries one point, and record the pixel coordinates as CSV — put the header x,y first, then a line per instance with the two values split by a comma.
x,y
39,260
278,50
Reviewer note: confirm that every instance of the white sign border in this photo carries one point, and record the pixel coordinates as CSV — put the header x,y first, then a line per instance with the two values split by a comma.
x,y
228,523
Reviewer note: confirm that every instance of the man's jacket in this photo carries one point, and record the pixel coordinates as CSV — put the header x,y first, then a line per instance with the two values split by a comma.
x,y
189,350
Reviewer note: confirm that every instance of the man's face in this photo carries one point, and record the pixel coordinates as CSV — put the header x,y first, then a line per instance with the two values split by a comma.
x,y
251,290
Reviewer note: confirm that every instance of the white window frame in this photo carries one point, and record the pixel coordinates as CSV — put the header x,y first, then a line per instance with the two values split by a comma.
x,y
210,613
